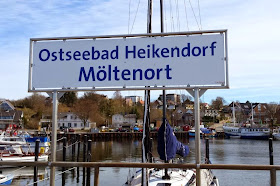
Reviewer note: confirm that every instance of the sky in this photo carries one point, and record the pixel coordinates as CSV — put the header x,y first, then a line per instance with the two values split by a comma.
x,y
253,37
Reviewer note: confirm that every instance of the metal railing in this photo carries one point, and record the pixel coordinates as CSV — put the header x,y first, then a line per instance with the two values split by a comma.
x,y
97,165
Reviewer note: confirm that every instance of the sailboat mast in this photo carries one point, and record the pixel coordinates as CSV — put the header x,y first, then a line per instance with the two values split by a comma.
x,y
166,176
146,146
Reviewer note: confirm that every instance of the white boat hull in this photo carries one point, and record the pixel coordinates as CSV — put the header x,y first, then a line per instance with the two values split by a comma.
x,y
178,177
24,158
6,180
246,133
276,136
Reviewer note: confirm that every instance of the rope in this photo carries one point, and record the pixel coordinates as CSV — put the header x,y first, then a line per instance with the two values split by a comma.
x,y
165,22
19,169
199,15
68,145
186,15
55,175
72,144
135,16
192,152
178,15
194,15
171,17
128,16
57,140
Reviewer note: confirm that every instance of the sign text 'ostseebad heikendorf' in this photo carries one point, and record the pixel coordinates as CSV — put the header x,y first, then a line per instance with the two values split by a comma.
x,y
111,72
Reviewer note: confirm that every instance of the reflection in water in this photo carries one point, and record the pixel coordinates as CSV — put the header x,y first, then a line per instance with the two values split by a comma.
x,y
222,151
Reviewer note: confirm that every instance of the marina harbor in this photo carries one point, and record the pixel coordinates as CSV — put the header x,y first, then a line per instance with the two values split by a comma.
x,y
139,93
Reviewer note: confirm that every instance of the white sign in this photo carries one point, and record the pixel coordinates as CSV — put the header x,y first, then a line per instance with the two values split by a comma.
x,y
194,60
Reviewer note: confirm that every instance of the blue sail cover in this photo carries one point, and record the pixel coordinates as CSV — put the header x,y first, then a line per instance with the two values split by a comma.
x,y
173,146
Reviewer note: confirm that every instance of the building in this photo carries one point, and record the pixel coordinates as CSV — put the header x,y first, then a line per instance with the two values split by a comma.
x,y
117,120
174,98
128,120
65,119
132,100
9,115
69,119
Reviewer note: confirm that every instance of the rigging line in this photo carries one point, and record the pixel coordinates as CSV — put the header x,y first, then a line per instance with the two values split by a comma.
x,y
135,16
128,16
186,15
199,14
171,17
178,16
194,15
19,169
165,19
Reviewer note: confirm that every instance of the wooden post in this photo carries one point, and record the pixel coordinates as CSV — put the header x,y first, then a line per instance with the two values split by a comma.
x,y
272,172
96,176
36,159
64,149
207,160
88,160
73,147
270,152
84,159
78,156
64,158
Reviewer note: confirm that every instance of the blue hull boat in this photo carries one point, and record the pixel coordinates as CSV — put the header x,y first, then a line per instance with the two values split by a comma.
x,y
6,180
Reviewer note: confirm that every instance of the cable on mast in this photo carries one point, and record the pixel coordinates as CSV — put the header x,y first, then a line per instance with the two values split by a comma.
x,y
194,15
135,16
199,14
186,15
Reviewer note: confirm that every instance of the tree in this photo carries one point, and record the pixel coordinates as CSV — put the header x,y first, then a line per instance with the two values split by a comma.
x,y
218,103
117,103
69,98
271,111
184,97
84,108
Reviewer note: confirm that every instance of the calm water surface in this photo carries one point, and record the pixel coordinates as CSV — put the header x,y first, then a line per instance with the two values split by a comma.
x,y
222,151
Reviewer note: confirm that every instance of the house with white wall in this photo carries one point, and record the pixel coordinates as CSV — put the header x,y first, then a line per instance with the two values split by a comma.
x,y
65,119
117,120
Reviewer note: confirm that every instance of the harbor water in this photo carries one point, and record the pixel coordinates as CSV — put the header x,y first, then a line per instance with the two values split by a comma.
x,y
222,151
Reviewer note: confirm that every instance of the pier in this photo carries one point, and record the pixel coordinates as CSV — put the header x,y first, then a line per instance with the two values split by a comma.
x,y
116,135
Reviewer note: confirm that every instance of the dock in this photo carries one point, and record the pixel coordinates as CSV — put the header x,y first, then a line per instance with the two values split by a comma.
x,y
117,135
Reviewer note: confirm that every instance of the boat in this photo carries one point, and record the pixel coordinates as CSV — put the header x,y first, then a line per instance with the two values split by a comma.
x,y
44,144
26,141
231,132
16,154
192,132
6,179
276,134
168,148
12,140
204,132
246,132
173,176
24,172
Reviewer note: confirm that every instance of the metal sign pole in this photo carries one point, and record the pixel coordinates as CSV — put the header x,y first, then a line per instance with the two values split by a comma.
x,y
54,137
197,135
196,97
